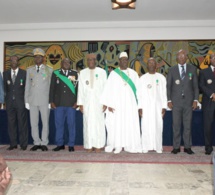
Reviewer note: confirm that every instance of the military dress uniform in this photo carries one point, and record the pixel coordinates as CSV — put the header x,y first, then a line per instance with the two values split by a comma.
x,y
37,96
64,99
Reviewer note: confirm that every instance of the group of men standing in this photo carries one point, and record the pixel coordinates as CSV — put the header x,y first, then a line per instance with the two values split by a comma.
x,y
115,102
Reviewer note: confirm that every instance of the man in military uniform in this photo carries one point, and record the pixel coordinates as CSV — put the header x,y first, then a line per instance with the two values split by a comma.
x,y
37,99
63,98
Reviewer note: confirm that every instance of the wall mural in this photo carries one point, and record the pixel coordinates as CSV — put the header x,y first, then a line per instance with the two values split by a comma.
x,y
107,53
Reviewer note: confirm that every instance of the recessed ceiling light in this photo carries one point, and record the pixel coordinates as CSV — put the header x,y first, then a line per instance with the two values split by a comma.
x,y
123,4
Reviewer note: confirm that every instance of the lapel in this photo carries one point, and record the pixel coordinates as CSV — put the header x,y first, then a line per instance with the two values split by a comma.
x,y
9,76
177,73
42,69
34,69
61,72
17,77
187,73
210,73
69,72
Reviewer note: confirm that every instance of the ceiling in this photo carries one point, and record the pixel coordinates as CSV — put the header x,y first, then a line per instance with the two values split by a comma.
x,y
54,11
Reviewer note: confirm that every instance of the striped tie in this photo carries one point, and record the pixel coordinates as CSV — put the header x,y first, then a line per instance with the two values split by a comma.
x,y
182,73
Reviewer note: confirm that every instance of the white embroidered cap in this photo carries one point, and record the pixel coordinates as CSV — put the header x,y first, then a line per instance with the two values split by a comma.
x,y
123,54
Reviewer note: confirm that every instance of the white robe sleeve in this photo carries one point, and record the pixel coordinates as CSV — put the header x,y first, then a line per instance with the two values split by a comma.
x,y
164,93
108,97
140,93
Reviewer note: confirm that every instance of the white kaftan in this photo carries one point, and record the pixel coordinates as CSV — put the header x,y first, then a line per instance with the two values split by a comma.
x,y
91,86
152,99
123,127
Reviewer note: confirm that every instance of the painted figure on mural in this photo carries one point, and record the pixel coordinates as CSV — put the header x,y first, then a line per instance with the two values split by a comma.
x,y
182,94
139,64
14,87
152,107
207,87
37,99
63,99
91,85
122,120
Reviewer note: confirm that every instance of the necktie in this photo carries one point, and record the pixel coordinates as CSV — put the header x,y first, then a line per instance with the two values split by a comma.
x,y
182,73
38,69
214,71
14,76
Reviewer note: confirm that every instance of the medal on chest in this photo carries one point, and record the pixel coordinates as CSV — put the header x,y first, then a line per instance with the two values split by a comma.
x,y
149,86
57,81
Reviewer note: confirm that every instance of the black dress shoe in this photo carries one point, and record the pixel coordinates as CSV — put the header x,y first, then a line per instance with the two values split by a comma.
x,y
208,150
71,149
35,147
12,147
23,147
44,148
175,151
58,148
188,151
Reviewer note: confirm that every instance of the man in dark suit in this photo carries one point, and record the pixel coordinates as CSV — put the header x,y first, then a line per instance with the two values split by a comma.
x,y
182,94
14,86
207,86
63,98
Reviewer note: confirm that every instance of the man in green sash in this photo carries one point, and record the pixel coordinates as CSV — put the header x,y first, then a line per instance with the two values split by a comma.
x,y
63,98
122,120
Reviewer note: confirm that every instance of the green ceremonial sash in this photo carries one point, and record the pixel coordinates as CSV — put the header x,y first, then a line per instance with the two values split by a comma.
x,y
65,80
127,80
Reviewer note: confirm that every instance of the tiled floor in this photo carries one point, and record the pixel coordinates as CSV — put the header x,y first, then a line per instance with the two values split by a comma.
x,y
52,178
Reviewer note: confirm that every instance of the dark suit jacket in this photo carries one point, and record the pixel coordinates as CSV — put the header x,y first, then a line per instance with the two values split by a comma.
x,y
60,94
207,86
188,86
16,90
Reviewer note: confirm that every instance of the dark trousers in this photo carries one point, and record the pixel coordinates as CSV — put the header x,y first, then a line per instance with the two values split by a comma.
x,y
17,119
208,118
182,115
62,114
